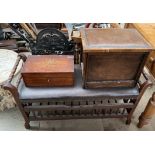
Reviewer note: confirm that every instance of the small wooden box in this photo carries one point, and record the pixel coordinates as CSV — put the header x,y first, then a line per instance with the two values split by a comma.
x,y
113,57
48,70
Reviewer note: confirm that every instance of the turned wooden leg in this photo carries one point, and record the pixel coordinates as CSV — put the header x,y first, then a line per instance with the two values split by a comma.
x,y
27,125
148,112
128,121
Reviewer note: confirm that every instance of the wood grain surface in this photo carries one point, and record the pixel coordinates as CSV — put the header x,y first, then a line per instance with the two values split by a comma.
x,y
48,70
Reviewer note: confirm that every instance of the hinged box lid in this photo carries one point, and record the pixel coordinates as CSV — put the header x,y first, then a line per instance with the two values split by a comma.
x,y
48,71
106,40
53,64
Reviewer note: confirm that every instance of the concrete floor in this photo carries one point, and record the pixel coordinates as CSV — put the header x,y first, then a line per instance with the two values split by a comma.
x,y
12,120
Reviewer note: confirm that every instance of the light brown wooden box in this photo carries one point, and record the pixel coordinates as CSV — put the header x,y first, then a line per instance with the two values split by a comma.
x,y
48,70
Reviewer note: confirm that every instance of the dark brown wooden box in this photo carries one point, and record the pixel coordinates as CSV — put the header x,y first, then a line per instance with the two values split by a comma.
x,y
113,57
48,70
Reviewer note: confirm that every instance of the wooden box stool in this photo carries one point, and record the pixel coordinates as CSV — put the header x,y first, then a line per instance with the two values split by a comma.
x,y
113,57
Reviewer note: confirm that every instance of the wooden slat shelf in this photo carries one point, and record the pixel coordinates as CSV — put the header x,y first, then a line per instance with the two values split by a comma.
x,y
38,104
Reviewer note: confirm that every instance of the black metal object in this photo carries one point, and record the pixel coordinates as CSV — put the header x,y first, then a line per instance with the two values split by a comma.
x,y
52,41
49,25
49,41
2,36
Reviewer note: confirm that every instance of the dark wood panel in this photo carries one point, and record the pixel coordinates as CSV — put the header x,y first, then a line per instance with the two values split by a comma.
x,y
113,57
119,83
112,66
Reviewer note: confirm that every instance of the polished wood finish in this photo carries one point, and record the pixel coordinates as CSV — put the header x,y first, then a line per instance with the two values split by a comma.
x,y
48,70
113,57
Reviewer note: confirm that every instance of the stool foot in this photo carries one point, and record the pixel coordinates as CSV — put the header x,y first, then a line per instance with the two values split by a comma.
x,y
128,121
27,125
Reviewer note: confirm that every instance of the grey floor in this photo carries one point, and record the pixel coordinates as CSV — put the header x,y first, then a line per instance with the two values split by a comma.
x,y
11,120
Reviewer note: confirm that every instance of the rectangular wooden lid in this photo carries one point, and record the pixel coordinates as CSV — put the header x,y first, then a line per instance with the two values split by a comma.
x,y
49,64
97,39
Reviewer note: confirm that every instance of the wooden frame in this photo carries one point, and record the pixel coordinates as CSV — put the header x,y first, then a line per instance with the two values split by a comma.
x,y
87,83
147,30
113,57
74,108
